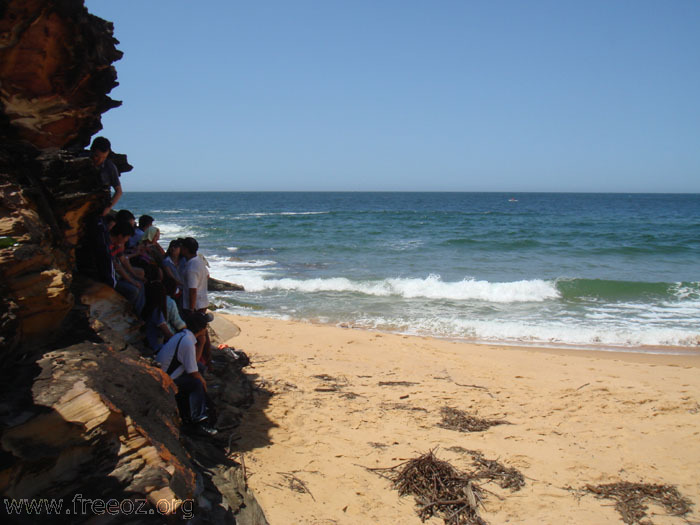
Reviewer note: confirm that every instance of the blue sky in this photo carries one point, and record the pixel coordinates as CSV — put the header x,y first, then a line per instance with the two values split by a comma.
x,y
407,95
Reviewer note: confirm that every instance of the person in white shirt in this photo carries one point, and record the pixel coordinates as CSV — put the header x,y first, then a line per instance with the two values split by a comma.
x,y
194,295
196,277
178,358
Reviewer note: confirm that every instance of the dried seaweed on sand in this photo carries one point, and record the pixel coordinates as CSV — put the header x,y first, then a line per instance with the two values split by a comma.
x,y
401,406
631,498
330,383
438,488
454,419
506,477
490,469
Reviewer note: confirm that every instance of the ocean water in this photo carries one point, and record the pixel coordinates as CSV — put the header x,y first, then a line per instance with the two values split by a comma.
x,y
607,271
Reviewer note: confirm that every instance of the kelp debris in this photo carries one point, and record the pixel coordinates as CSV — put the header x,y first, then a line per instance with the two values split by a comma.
x,y
631,498
397,383
455,419
331,384
490,469
438,489
325,377
401,406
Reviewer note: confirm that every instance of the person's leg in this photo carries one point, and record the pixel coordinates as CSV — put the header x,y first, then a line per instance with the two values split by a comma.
x,y
128,290
140,301
206,347
193,389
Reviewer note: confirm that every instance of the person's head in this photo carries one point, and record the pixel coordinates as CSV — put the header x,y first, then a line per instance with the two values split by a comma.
x,y
196,322
145,221
126,216
170,286
150,235
109,221
99,151
121,232
189,247
174,249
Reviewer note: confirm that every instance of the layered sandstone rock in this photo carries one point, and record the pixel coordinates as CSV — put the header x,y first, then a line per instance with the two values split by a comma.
x,y
82,412
55,70
88,431
45,200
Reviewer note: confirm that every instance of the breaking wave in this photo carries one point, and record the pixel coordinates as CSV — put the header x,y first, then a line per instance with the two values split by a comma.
x,y
432,287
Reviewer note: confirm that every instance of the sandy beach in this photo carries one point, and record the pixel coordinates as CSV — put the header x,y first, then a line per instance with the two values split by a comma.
x,y
334,402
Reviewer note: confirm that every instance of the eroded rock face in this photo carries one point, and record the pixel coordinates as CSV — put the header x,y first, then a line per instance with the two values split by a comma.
x,y
84,429
55,71
45,201
110,315
81,411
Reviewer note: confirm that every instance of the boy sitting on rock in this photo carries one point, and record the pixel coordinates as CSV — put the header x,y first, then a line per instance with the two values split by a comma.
x,y
178,357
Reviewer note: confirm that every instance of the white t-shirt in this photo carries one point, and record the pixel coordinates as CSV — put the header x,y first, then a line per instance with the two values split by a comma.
x,y
196,276
186,353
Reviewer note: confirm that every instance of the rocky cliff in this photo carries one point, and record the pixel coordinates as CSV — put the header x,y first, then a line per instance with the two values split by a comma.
x,y
84,416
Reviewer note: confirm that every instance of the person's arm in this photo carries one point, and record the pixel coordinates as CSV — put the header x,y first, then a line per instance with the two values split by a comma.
x,y
117,195
188,359
173,276
163,327
197,375
199,347
138,274
124,274
192,297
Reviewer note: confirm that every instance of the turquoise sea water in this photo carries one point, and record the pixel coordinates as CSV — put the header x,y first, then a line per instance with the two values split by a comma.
x,y
588,270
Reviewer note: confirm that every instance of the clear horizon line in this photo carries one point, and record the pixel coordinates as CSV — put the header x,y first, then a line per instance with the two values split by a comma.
x,y
425,191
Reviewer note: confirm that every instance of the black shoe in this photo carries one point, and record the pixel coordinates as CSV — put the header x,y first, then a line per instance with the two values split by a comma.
x,y
203,428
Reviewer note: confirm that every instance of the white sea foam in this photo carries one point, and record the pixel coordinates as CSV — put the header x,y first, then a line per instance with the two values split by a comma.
x,y
232,248
687,291
171,230
283,213
228,262
404,245
431,287
248,273
543,333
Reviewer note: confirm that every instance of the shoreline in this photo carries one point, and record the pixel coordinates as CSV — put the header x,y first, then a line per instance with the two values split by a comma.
x,y
689,355
333,402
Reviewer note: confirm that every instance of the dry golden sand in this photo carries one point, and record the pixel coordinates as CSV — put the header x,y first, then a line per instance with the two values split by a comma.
x,y
577,418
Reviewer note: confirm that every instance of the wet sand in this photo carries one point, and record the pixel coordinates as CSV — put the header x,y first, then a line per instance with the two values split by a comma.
x,y
333,402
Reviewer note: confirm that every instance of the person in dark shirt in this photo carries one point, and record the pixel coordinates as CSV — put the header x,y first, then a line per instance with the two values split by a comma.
x,y
109,174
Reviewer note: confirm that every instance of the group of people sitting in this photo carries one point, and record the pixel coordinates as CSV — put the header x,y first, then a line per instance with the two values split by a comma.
x,y
167,289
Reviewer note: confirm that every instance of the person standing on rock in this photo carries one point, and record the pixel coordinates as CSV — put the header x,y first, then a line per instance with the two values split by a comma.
x,y
196,277
194,296
109,174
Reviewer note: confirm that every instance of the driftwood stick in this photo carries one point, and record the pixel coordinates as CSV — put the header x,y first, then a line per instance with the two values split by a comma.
x,y
245,474
471,386
459,509
230,440
461,501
